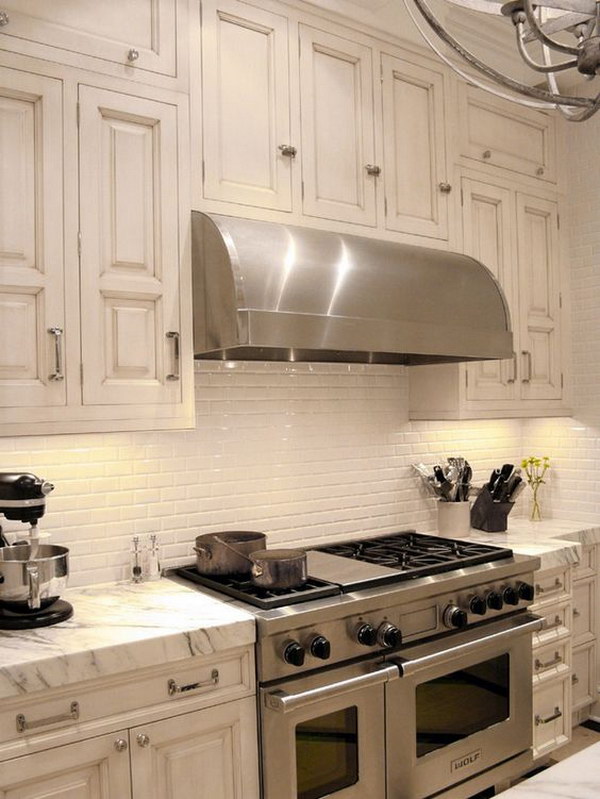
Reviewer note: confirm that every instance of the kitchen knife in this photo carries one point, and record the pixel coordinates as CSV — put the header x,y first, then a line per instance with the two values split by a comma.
x,y
498,488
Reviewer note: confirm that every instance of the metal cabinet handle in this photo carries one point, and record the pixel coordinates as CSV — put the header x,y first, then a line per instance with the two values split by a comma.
x,y
23,724
142,739
175,689
4,20
539,665
513,377
120,745
133,55
445,188
527,354
574,679
539,171
57,375
558,586
486,154
175,374
556,715
576,613
556,623
288,150
373,169
283,702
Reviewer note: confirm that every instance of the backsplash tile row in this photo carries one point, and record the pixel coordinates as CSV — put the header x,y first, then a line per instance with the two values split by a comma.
x,y
301,451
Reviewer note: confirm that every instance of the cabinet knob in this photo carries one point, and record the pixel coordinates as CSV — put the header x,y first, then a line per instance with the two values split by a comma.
x,y
486,155
288,150
539,171
120,744
4,20
373,169
133,54
445,188
142,740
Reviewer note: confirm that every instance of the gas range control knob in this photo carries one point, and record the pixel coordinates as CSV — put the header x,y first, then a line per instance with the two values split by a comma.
x,y
389,635
494,600
294,654
477,605
320,647
366,635
454,618
526,591
510,595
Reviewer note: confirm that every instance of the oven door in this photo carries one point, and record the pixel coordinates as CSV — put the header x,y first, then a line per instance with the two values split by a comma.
x,y
324,735
462,705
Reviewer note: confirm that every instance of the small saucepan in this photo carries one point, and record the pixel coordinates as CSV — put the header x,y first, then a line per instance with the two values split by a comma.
x,y
227,553
279,568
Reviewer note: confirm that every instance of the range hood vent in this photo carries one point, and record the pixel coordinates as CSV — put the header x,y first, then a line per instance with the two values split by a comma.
x,y
274,292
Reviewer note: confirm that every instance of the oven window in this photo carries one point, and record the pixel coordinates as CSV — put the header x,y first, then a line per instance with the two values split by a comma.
x,y
327,753
456,705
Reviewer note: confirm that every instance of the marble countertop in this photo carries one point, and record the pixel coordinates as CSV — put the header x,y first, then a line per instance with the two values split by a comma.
x,y
119,628
577,777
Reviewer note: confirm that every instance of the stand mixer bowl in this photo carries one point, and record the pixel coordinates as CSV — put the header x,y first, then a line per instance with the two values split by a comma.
x,y
28,585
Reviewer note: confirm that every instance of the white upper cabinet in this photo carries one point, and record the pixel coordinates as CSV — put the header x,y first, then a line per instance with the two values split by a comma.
x,y
540,299
414,173
248,154
32,305
139,33
488,234
129,249
339,170
503,134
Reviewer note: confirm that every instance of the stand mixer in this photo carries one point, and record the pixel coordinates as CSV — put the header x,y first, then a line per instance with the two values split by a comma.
x,y
32,575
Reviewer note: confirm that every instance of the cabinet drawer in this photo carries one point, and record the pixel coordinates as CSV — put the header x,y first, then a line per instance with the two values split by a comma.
x,y
550,662
177,687
551,586
110,31
556,624
551,717
586,567
583,611
583,678
499,134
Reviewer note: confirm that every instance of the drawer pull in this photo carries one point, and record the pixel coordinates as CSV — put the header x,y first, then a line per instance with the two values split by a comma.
x,y
574,679
552,625
558,586
576,613
121,745
133,55
72,715
556,715
142,740
175,689
539,665
4,19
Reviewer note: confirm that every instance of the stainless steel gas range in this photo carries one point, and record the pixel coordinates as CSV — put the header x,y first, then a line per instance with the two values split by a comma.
x,y
401,670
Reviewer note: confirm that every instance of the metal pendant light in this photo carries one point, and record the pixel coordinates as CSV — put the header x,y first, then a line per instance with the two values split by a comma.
x,y
570,28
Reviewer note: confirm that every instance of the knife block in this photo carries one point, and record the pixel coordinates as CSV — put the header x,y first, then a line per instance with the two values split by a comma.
x,y
490,516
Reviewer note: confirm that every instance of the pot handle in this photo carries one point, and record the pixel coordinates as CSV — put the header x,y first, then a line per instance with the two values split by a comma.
x,y
33,574
257,570
202,550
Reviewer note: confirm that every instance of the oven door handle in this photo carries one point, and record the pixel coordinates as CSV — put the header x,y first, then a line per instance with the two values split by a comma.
x,y
283,702
527,624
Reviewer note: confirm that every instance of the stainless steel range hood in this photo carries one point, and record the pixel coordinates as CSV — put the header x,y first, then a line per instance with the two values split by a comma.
x,y
269,291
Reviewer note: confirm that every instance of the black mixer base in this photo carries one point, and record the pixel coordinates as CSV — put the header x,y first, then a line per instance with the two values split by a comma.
x,y
53,614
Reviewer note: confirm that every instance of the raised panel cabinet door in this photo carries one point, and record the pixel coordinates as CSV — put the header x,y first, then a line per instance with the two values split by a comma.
x,y
208,754
338,147
139,33
539,298
414,173
246,100
32,306
488,225
97,768
130,318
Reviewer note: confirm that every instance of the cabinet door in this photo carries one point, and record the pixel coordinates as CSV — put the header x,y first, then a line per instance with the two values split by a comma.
x,y
539,298
414,168
488,224
209,754
246,105
106,31
129,249
336,97
92,769
32,317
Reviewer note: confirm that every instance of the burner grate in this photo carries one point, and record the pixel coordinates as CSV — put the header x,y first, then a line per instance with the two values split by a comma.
x,y
240,587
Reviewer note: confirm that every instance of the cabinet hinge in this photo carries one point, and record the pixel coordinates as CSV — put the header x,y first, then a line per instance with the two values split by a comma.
x,y
81,373
562,380
79,243
466,377
385,206
78,109
558,221
203,171
462,197
381,72
560,299
302,189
